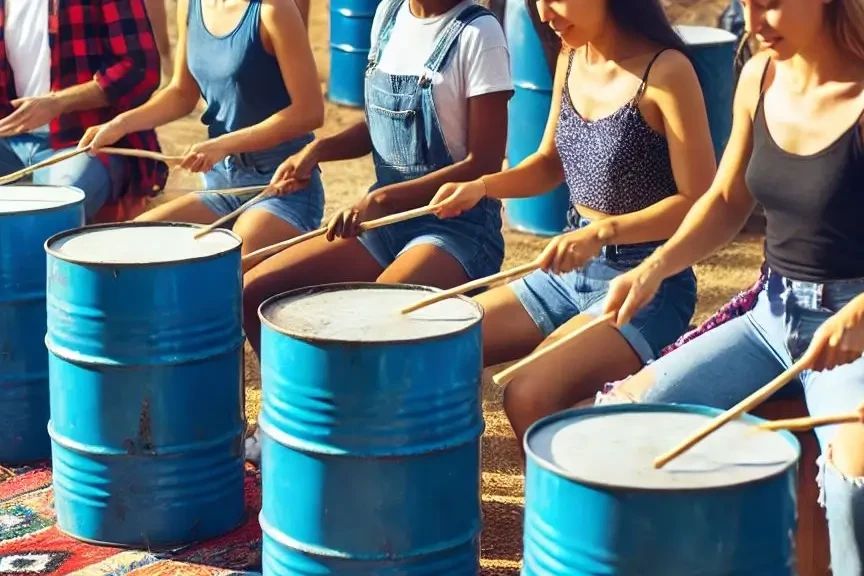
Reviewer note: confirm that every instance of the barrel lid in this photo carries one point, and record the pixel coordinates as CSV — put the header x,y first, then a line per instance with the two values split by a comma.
x,y
367,313
140,243
704,35
615,446
17,199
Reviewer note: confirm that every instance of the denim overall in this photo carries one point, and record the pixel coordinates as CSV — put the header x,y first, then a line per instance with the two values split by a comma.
x,y
407,143
242,85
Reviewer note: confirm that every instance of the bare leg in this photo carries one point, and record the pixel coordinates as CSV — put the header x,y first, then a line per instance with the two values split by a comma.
x,y
159,21
316,261
568,375
259,228
188,208
508,331
425,265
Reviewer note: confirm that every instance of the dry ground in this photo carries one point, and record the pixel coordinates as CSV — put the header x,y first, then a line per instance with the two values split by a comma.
x,y
720,277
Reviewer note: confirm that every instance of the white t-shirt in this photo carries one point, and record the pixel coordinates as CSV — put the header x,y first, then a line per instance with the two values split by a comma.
x,y
479,64
26,40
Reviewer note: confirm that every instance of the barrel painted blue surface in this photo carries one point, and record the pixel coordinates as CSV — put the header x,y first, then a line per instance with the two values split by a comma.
x,y
528,111
370,457
350,41
713,53
146,382
575,527
29,215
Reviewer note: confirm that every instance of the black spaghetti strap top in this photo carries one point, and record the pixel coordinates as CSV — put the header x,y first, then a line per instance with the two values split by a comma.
x,y
813,204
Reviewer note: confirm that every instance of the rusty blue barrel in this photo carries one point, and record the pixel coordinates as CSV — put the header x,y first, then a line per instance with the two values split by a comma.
x,y
29,215
146,381
370,433
594,503
545,214
350,41
712,51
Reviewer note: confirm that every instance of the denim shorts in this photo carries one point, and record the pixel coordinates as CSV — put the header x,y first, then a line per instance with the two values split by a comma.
x,y
476,242
553,299
302,209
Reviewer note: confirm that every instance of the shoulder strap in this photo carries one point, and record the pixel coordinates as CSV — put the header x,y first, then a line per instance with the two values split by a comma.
x,y
388,10
644,83
448,37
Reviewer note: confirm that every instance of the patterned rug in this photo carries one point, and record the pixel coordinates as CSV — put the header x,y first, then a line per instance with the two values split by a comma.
x,y
30,544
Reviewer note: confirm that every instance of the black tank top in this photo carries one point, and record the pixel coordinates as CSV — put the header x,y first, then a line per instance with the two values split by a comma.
x,y
813,204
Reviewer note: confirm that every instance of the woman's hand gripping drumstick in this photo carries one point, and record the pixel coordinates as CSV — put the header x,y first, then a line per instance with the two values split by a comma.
x,y
799,424
15,176
253,258
505,376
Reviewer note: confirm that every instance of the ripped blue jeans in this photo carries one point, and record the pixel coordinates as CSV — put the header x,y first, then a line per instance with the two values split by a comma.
x,y
727,364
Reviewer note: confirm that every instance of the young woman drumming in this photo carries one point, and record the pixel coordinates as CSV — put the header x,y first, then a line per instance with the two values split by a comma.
x,y
251,62
628,131
796,148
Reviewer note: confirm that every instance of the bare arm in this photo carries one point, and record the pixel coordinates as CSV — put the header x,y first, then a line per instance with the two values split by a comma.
x,y
353,142
675,88
541,171
284,27
721,212
487,138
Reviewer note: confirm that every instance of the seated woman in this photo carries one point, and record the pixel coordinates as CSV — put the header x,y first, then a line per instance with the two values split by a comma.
x,y
628,131
252,63
796,147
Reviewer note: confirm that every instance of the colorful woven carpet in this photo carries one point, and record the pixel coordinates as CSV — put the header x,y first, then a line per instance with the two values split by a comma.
x,y
30,544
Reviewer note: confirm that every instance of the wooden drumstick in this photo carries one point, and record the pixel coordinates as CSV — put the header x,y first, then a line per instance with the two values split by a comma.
x,y
147,154
505,376
15,176
266,252
479,283
228,217
813,422
745,405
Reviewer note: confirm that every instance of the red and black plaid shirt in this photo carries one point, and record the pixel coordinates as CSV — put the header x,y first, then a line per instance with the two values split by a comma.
x,y
111,42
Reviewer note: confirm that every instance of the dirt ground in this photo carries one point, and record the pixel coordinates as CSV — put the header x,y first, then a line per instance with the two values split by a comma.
x,y
719,277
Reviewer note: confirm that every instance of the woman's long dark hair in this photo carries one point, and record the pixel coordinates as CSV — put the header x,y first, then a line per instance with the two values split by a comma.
x,y
644,18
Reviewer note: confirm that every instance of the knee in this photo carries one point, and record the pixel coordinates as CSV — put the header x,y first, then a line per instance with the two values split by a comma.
x,y
521,405
846,452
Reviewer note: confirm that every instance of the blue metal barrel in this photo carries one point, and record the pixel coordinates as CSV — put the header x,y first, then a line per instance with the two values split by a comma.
x,y
146,381
370,427
713,53
350,41
594,504
544,215
29,215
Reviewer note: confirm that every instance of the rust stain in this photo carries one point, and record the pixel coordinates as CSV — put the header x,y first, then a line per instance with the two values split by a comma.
x,y
145,434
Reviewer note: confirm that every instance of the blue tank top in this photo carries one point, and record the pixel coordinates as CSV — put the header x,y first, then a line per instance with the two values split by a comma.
x,y
240,82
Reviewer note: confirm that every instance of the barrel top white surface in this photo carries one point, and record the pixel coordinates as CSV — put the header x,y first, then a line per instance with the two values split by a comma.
x,y
29,198
618,449
367,314
704,35
149,244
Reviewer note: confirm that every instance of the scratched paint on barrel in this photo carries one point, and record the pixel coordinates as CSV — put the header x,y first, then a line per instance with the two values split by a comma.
x,y
594,504
146,379
29,215
370,437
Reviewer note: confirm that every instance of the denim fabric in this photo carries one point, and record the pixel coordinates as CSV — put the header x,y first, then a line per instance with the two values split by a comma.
x,y
553,299
302,209
727,364
407,143
100,183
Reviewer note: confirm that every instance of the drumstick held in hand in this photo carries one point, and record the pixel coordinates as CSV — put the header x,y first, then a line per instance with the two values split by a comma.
x,y
15,176
745,405
266,252
228,217
505,376
798,424
479,283
147,154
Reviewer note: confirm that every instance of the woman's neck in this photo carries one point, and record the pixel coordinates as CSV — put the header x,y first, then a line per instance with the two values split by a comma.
x,y
612,46
430,8
822,62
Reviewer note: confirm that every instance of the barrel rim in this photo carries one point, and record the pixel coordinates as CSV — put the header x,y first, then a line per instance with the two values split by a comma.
x,y
333,286
647,407
91,227
79,201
